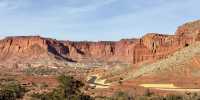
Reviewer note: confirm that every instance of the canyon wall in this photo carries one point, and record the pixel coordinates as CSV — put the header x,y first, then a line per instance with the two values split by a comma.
x,y
152,46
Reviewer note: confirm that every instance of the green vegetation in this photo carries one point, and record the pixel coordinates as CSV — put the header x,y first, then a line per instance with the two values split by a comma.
x,y
11,91
71,89
40,85
68,89
121,96
40,71
150,96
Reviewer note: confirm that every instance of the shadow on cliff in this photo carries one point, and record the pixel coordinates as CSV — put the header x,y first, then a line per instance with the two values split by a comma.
x,y
59,55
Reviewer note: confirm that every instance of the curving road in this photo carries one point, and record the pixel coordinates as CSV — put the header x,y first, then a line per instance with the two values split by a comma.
x,y
94,80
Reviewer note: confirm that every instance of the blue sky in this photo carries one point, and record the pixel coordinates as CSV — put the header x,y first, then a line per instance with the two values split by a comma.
x,y
94,19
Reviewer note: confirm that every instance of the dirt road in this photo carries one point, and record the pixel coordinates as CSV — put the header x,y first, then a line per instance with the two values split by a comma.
x,y
169,87
94,80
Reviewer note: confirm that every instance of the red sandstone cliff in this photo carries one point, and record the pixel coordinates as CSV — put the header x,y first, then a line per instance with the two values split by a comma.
x,y
150,47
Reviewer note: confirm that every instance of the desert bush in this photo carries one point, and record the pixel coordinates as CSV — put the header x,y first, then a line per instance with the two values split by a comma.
x,y
42,85
11,91
54,95
102,98
174,97
40,71
68,89
121,96
156,97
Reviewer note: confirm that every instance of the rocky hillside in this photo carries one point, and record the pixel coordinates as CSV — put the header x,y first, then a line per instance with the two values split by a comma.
x,y
150,47
181,62
190,29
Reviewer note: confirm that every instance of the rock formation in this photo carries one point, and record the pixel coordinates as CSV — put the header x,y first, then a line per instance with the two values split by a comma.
x,y
152,46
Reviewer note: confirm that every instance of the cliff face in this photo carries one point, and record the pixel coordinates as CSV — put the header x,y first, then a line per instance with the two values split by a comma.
x,y
152,46
21,46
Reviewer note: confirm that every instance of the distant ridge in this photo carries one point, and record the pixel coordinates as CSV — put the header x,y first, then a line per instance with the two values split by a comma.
x,y
150,47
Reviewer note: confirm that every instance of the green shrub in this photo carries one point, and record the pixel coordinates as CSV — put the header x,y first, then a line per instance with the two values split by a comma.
x,y
148,93
68,89
40,71
121,96
11,91
174,97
